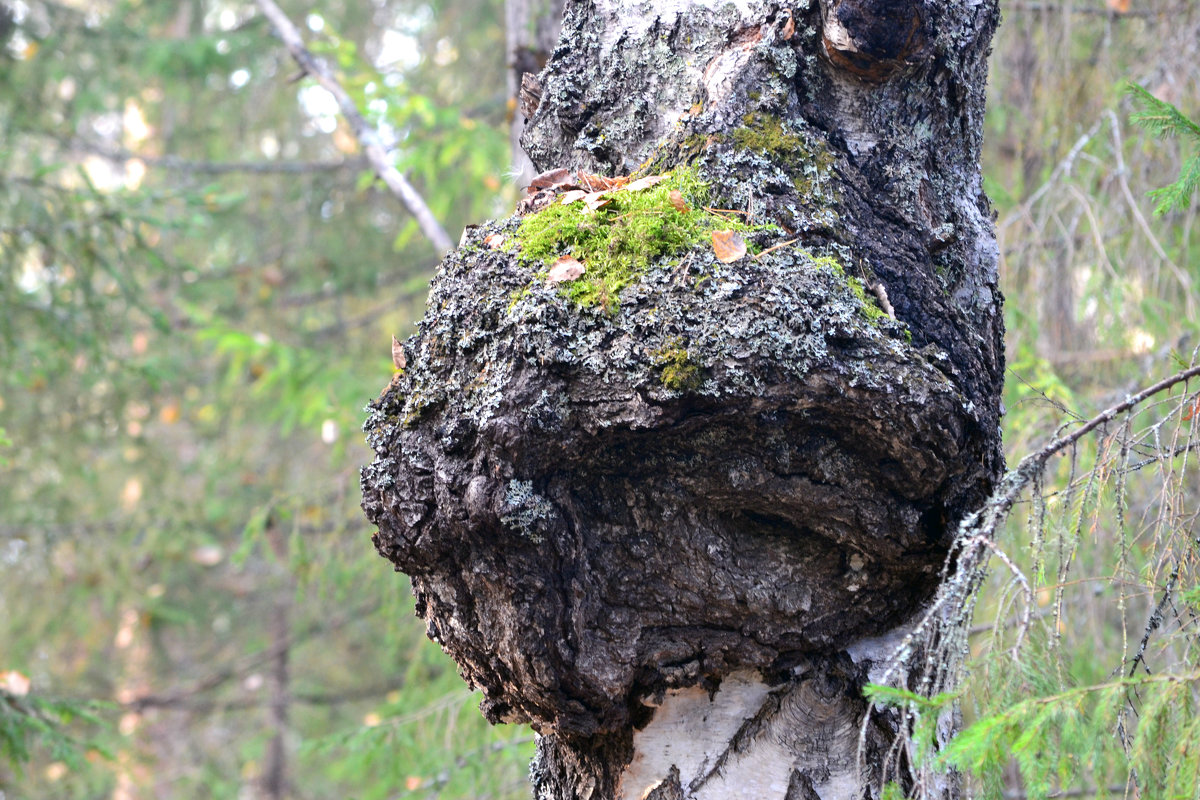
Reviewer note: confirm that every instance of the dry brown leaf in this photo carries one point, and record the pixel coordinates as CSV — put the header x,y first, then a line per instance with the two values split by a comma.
x,y
549,178
1119,6
572,196
397,353
494,241
1193,411
590,181
644,183
565,268
728,246
597,200
598,183
678,202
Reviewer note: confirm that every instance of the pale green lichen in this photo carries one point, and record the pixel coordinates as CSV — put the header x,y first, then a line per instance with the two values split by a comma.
x,y
525,510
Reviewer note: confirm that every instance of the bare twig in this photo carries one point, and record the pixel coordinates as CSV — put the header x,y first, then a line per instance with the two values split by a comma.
x,y
1156,618
1023,625
776,247
177,164
367,137
1103,11
203,705
275,775
246,664
1040,457
939,638
1185,282
1062,168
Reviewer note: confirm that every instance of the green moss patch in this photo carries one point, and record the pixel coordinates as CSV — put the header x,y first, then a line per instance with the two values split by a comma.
x,y
679,372
619,242
765,134
810,163
868,305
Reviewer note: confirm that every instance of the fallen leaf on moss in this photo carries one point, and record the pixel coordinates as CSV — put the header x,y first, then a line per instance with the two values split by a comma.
x,y
572,196
728,246
644,183
676,198
494,240
565,268
598,183
549,178
597,200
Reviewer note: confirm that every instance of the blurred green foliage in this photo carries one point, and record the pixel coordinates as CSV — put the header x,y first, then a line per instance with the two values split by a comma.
x,y
199,280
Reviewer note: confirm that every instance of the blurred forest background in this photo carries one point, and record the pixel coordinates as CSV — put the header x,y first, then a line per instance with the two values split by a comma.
x,y
199,279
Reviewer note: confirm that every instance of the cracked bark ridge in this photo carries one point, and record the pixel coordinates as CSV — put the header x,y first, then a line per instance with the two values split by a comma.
x,y
585,536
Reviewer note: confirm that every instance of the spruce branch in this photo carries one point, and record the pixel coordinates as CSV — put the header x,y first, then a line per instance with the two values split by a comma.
x,y
1166,121
366,136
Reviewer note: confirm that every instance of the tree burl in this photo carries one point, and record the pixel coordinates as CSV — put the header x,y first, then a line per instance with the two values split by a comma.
x,y
721,467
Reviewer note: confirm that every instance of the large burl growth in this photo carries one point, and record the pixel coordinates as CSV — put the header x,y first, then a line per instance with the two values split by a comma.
x,y
725,469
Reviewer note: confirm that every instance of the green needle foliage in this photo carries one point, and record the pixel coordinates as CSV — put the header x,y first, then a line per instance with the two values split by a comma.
x,y
1166,121
28,721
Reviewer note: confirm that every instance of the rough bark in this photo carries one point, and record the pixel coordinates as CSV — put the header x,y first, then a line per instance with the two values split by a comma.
x,y
683,585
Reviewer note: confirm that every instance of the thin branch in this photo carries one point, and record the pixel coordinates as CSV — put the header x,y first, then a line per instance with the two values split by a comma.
x,y
246,664
967,554
367,137
204,706
471,758
177,164
1062,168
1155,621
1185,281
1035,7
1106,416
275,781
1023,627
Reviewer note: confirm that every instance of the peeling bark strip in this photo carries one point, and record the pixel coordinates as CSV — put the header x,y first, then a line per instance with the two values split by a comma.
x,y
674,532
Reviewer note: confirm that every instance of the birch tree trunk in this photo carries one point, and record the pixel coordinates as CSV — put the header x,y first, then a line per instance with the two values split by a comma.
x,y
677,534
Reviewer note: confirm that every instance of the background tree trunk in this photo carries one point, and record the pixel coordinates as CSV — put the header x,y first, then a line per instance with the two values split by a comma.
x,y
531,28
683,585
